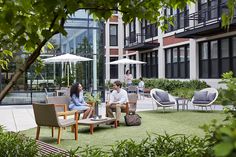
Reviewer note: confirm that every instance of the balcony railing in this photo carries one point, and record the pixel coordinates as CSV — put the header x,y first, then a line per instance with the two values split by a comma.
x,y
204,22
137,42
204,17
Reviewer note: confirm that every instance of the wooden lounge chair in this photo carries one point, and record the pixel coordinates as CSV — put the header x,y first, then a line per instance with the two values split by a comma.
x,y
46,115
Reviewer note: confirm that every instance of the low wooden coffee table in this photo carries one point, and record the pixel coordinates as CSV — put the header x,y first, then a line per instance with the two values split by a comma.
x,y
92,123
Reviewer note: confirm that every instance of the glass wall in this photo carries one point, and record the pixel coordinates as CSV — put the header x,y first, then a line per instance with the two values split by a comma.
x,y
85,37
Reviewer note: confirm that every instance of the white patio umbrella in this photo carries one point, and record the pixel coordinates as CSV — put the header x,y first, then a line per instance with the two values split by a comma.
x,y
69,58
127,61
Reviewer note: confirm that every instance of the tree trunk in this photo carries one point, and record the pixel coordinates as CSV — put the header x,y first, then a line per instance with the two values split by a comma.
x,y
22,69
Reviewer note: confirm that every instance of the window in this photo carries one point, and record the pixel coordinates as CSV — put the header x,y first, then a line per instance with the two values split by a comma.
x,y
132,32
214,59
154,65
113,35
234,55
113,68
225,60
150,69
225,48
203,62
204,50
168,63
179,18
177,62
132,67
182,59
125,38
208,10
217,58
187,62
214,49
234,46
149,30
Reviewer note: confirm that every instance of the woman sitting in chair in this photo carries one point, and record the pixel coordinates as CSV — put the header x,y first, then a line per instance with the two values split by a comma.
x,y
77,101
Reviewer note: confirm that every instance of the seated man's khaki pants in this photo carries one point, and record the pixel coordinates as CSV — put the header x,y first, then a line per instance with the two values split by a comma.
x,y
118,108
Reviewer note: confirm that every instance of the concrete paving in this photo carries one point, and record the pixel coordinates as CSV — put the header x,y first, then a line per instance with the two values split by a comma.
x,y
18,118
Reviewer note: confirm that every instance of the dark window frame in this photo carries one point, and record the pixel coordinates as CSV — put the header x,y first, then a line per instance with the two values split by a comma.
x,y
177,19
147,70
148,30
132,68
220,61
169,72
113,69
112,36
132,33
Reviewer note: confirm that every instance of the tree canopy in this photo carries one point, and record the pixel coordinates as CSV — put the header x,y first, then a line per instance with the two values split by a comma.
x,y
28,24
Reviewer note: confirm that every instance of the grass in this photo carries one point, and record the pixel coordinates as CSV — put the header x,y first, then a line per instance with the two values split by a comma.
x,y
152,122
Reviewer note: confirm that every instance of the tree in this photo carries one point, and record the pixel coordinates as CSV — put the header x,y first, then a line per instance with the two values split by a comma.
x,y
29,24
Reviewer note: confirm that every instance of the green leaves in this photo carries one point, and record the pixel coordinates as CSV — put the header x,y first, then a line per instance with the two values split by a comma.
x,y
226,140
228,15
5,57
156,145
93,98
227,96
15,144
223,149
224,136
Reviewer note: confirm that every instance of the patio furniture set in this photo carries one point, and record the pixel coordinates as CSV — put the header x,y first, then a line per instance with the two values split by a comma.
x,y
47,114
203,98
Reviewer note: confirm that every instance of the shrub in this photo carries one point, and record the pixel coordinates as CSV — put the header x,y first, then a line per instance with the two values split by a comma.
x,y
15,144
195,84
183,92
171,85
227,96
159,145
223,136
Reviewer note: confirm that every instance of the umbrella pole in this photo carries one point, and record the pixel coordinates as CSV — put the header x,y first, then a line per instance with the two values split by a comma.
x,y
68,78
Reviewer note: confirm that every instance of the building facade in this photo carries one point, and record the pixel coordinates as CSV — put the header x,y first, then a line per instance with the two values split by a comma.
x,y
196,47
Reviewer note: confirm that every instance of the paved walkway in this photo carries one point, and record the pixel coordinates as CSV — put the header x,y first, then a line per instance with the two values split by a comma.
x,y
18,118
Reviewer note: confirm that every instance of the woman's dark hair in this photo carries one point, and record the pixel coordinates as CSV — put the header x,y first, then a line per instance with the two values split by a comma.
x,y
74,89
141,78
127,71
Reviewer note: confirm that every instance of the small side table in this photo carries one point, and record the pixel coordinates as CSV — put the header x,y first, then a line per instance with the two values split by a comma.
x,y
184,102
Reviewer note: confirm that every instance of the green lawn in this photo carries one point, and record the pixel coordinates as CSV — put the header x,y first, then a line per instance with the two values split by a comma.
x,y
152,122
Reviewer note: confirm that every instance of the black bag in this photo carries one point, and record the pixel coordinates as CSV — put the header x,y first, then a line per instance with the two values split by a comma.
x,y
132,120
